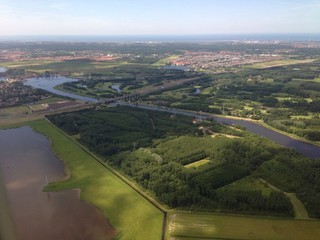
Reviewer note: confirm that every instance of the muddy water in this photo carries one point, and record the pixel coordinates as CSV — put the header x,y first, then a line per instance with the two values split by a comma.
x,y
27,163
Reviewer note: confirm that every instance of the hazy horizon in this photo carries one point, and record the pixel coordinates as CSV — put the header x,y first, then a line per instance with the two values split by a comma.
x,y
162,38
151,17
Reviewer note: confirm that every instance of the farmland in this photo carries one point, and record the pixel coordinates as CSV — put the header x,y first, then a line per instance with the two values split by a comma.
x,y
280,63
183,226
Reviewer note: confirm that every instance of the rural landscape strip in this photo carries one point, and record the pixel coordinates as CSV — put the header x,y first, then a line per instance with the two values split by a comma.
x,y
252,81
125,180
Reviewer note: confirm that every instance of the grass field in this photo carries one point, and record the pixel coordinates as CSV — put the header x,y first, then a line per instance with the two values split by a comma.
x,y
249,184
164,61
197,163
65,66
300,211
131,214
279,63
183,226
207,90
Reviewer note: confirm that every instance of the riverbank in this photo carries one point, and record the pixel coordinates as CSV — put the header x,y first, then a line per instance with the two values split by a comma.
x,y
307,149
126,210
263,124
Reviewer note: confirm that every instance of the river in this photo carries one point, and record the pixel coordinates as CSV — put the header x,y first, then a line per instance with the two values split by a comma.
x,y
48,84
306,149
27,164
176,67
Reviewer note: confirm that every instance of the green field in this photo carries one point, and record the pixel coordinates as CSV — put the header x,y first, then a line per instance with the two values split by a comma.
x,y
249,184
278,63
197,163
183,226
65,66
164,61
130,213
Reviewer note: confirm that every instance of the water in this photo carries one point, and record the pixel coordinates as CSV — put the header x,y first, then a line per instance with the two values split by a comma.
x,y
27,163
306,149
117,88
2,69
175,67
197,91
48,84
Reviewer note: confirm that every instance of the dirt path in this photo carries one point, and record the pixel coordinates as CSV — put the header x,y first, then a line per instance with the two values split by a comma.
x,y
300,211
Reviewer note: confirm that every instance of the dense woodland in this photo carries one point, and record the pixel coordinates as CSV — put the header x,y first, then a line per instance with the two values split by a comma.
x,y
155,149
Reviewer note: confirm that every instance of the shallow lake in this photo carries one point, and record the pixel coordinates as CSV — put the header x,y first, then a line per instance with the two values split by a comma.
x,y
27,164
48,84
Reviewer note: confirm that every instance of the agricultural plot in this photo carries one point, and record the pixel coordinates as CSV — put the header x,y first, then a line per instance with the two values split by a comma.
x,y
183,226
65,66
279,63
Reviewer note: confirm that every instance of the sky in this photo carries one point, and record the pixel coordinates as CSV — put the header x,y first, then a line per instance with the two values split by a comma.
x,y
158,17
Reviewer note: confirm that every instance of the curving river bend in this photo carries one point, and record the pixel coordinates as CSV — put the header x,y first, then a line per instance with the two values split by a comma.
x,y
306,149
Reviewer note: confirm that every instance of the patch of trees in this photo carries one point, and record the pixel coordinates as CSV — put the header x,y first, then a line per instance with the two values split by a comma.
x,y
293,173
152,148
252,201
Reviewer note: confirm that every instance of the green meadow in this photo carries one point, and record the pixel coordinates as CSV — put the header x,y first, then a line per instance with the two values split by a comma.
x,y
278,63
65,66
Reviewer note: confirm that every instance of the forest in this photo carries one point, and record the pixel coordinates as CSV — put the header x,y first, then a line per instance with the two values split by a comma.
x,y
197,165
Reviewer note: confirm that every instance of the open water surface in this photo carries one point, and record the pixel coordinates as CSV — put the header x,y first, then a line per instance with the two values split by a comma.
x,y
48,84
27,164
